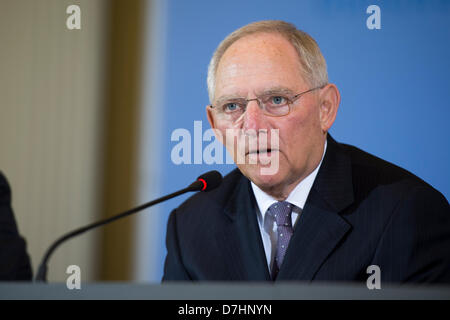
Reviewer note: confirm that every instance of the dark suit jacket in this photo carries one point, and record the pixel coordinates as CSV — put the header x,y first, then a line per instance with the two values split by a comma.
x,y
361,211
14,260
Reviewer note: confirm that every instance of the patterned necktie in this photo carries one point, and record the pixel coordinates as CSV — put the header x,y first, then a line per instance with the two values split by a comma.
x,y
281,213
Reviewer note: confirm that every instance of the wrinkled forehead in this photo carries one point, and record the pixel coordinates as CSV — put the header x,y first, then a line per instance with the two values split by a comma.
x,y
257,62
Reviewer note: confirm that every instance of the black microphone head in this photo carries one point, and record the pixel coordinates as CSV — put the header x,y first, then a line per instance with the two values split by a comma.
x,y
211,180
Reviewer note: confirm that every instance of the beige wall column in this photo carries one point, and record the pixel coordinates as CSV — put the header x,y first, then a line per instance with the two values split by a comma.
x,y
69,111
121,135
51,124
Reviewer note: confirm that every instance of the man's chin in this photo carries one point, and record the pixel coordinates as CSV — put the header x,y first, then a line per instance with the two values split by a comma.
x,y
260,177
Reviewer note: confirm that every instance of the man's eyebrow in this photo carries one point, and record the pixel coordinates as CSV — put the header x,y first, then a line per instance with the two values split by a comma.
x,y
274,90
229,97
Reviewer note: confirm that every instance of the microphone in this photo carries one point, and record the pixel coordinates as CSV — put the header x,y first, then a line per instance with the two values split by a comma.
x,y
206,182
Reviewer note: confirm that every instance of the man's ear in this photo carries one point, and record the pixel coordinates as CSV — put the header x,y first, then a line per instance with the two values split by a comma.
x,y
212,123
210,116
329,104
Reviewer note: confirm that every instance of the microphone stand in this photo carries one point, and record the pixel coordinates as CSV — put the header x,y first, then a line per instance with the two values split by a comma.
x,y
41,275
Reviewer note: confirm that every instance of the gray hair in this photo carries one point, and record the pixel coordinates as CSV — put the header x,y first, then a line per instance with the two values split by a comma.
x,y
314,67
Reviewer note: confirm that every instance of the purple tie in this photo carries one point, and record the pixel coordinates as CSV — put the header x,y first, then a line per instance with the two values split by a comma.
x,y
281,212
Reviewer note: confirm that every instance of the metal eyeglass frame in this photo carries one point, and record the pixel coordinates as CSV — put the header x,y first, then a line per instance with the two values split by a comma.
x,y
289,103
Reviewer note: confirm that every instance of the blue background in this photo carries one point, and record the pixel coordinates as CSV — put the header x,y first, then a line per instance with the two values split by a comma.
x,y
394,82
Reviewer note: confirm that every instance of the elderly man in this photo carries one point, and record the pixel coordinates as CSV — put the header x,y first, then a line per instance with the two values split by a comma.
x,y
329,211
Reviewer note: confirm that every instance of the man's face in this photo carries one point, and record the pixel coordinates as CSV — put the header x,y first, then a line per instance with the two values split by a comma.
x,y
250,67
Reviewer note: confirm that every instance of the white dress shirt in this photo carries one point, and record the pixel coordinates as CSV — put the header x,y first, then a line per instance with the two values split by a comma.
x,y
267,225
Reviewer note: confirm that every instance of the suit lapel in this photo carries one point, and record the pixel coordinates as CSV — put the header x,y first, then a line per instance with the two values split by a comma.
x,y
320,228
316,234
240,239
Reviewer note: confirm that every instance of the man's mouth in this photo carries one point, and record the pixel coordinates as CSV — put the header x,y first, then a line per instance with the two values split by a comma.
x,y
262,151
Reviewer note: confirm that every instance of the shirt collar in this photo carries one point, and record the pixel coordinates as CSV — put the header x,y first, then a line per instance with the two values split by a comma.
x,y
297,196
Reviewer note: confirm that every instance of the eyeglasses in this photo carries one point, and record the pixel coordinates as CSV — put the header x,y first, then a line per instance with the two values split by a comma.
x,y
274,104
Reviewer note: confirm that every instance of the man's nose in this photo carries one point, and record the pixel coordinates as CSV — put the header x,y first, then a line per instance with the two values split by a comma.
x,y
254,118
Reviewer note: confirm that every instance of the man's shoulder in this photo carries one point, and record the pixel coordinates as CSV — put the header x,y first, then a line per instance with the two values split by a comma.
x,y
370,172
